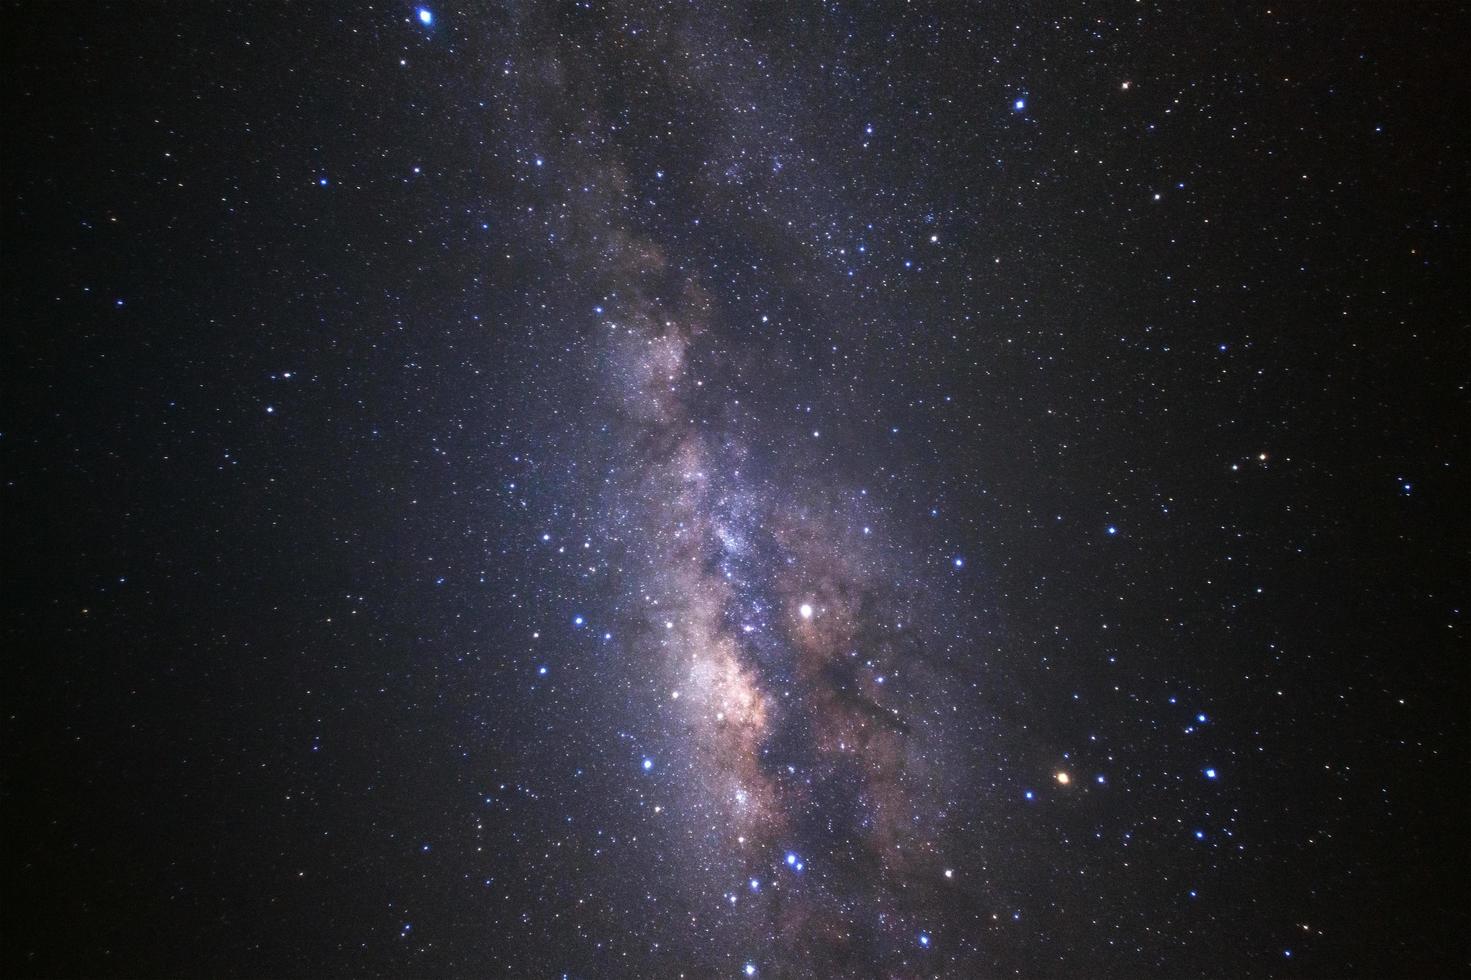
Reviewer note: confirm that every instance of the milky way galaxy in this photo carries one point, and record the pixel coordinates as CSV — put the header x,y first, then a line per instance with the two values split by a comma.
x,y
690,490
765,640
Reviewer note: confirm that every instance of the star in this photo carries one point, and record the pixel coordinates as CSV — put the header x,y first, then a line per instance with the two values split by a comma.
x,y
626,275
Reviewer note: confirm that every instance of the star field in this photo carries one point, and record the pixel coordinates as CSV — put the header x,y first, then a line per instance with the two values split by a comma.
x,y
703,490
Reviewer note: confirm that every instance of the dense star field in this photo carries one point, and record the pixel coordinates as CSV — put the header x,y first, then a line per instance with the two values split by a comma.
x,y
705,490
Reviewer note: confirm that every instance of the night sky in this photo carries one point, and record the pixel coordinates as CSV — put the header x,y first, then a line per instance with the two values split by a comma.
x,y
696,490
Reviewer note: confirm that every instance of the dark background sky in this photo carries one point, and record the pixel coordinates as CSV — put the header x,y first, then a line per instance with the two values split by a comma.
x,y
1137,335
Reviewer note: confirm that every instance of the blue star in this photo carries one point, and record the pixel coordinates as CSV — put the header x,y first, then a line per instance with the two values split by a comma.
x,y
1210,774
648,763
1112,529
959,562
426,17
1019,104
924,940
